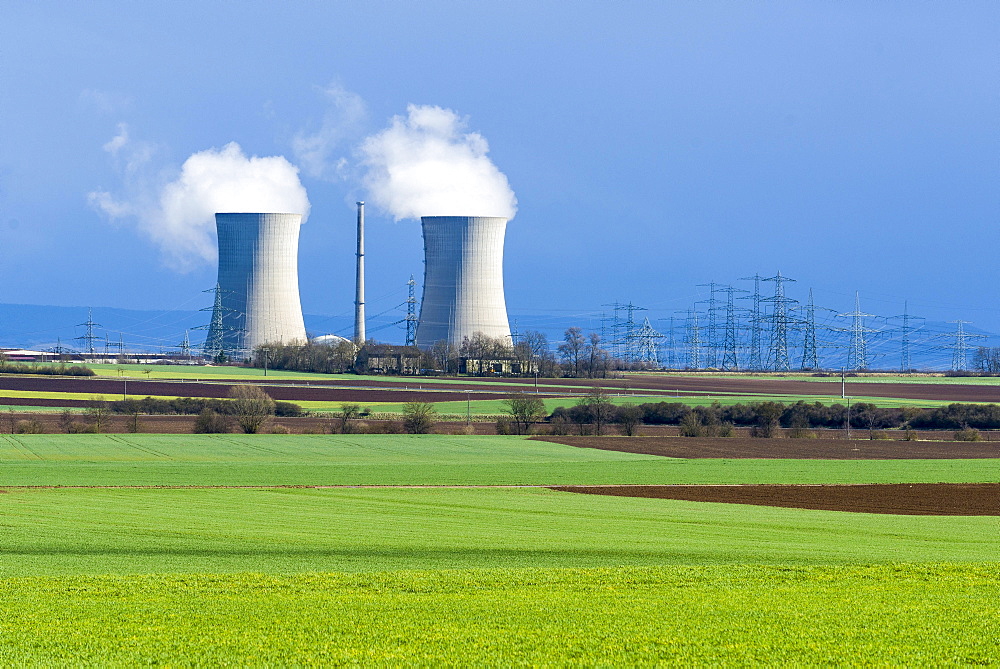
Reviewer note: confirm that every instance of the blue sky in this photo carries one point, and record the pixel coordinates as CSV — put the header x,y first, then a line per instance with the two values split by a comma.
x,y
652,146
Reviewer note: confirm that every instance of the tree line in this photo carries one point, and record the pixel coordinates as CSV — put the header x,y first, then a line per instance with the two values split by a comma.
x,y
530,354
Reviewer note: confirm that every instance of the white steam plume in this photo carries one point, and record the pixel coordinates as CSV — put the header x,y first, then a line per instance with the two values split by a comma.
x,y
426,164
180,215
342,121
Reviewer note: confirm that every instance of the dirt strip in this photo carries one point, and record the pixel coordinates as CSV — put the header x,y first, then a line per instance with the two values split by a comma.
x,y
910,499
792,449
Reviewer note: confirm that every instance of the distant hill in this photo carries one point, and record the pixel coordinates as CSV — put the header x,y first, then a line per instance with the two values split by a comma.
x,y
44,327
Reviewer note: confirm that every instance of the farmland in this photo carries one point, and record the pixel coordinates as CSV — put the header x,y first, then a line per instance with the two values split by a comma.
x,y
483,396
422,549
882,614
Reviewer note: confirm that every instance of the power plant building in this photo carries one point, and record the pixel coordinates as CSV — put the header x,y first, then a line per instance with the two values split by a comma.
x,y
257,295
463,279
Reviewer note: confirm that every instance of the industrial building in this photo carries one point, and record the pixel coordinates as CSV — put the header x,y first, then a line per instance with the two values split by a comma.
x,y
257,294
463,279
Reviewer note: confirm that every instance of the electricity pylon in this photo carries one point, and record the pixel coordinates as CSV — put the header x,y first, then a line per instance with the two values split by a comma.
x,y
754,359
778,355
857,356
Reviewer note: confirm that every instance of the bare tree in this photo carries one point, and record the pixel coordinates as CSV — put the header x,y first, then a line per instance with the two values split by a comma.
x,y
97,412
524,410
418,417
571,350
629,419
599,408
251,406
987,359
348,413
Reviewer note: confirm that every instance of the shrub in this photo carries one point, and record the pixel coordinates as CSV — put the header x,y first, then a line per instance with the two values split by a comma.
x,y
967,434
29,427
279,429
629,419
288,410
691,425
210,421
251,406
559,425
81,428
504,425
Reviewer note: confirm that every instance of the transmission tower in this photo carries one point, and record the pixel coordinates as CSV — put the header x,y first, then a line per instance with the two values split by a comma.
x,y
623,331
693,340
810,352
217,340
411,312
185,346
754,361
729,358
631,332
712,340
857,356
670,345
960,349
778,354
89,337
647,343
905,365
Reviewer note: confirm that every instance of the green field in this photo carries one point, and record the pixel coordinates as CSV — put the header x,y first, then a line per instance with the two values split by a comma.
x,y
370,459
484,571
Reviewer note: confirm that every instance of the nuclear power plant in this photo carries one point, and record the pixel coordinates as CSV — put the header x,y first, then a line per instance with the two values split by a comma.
x,y
257,294
463,279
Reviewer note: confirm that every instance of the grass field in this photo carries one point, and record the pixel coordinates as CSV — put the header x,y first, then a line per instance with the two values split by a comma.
x,y
467,574
369,459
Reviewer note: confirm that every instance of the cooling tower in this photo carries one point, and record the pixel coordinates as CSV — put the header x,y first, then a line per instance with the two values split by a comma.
x,y
463,279
258,289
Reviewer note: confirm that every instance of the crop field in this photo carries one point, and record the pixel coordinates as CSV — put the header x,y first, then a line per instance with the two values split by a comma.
x,y
886,614
324,393
366,549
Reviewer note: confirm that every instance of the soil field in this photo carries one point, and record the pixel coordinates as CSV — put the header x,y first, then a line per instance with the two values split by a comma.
x,y
106,386
736,386
909,499
794,449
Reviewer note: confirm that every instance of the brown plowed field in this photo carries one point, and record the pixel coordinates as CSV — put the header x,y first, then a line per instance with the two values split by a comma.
x,y
911,499
289,393
439,389
731,386
793,449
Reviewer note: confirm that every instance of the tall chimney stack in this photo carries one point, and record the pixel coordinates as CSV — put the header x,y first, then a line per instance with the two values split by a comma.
x,y
359,299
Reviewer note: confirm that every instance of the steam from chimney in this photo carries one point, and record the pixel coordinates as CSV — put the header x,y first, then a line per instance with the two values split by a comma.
x,y
427,164
180,215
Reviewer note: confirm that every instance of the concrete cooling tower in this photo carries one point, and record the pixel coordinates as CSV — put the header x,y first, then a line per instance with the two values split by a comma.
x,y
463,279
257,299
